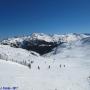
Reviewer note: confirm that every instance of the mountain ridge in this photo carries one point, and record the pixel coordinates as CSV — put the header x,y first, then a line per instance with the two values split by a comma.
x,y
43,43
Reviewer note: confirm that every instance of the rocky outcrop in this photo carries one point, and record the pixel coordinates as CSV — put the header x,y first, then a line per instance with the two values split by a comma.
x,y
39,46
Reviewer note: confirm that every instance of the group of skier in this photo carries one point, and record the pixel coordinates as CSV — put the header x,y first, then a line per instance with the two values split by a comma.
x,y
38,67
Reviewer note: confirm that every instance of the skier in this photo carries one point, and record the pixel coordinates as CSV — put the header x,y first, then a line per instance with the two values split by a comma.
x,y
29,65
60,65
64,65
49,66
38,68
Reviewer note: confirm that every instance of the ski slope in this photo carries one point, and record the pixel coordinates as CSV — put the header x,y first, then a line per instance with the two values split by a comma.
x,y
65,68
72,75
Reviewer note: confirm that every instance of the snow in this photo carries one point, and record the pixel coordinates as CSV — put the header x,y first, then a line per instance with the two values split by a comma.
x,y
67,67
41,36
45,37
17,54
74,76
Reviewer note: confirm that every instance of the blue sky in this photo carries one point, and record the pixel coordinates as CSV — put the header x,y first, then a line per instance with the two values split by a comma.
x,y
18,17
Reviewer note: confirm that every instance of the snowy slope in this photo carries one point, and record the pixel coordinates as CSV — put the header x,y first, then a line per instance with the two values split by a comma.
x,y
73,74
17,54
67,67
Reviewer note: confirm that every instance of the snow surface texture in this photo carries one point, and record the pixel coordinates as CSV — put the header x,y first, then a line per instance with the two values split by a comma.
x,y
67,67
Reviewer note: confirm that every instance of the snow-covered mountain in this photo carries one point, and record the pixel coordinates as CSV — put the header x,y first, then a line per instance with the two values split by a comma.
x,y
42,43
46,62
48,38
